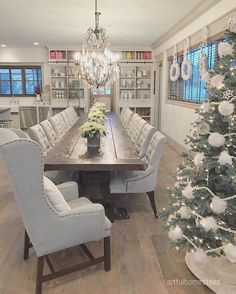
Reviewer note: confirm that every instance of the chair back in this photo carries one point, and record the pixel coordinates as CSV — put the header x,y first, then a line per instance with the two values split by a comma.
x,y
144,139
58,124
24,162
127,117
50,132
154,151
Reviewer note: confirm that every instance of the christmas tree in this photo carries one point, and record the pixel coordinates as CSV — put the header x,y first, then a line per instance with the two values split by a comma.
x,y
201,214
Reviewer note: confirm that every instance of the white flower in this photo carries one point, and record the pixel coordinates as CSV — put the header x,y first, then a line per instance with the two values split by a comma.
x,y
185,212
198,158
226,108
171,217
205,107
224,48
216,140
217,81
209,223
201,257
230,252
175,233
218,205
188,192
225,158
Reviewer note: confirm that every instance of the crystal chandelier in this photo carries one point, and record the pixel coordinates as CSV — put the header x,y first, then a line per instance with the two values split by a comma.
x,y
96,64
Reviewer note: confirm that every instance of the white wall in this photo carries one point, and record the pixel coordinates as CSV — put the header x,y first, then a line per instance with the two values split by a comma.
x,y
26,56
176,119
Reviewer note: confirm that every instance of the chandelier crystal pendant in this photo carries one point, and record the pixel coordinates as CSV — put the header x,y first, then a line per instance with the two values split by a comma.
x,y
96,64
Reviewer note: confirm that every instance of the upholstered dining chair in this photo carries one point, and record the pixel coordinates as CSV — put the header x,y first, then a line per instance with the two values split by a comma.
x,y
142,142
55,218
127,117
141,181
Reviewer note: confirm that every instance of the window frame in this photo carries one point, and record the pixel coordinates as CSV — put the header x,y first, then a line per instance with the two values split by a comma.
x,y
188,102
23,68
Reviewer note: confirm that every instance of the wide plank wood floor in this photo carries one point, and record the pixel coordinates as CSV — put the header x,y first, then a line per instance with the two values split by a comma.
x,y
142,261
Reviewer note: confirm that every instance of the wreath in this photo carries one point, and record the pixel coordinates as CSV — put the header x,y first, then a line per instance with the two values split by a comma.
x,y
203,65
186,69
174,72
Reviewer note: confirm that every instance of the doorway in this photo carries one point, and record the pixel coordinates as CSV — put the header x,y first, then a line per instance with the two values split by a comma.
x,y
104,95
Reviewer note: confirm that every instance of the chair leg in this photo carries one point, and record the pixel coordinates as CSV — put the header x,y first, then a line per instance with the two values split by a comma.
x,y
151,196
107,254
26,246
39,275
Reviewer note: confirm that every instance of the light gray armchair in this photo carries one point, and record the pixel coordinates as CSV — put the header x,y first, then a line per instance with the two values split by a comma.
x,y
54,217
142,181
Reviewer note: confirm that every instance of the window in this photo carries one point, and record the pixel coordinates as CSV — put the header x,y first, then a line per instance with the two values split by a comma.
x,y
19,80
103,90
193,90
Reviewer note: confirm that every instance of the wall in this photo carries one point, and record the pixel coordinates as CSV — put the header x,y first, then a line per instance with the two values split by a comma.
x,y
176,119
26,56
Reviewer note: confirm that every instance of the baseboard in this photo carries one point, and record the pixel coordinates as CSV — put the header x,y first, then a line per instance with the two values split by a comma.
x,y
178,147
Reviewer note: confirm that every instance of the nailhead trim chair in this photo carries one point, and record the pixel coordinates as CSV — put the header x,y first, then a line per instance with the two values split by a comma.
x,y
138,130
141,144
58,124
127,117
50,132
142,181
54,217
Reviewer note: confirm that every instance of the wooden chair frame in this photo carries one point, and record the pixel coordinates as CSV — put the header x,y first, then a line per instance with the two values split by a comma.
x,y
41,278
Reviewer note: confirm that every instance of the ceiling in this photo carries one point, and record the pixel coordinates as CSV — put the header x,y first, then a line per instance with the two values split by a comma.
x,y
63,23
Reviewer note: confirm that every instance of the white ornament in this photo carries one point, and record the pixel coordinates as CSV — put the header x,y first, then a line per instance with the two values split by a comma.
x,y
188,192
171,217
209,223
226,108
232,24
177,185
175,233
218,205
174,72
217,81
230,252
201,257
225,158
205,107
184,212
224,49
216,140
203,64
228,94
186,69
198,158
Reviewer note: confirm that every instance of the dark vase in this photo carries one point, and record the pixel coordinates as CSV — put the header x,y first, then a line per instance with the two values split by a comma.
x,y
94,142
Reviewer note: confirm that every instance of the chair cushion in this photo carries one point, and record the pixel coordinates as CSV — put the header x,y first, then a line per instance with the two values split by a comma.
x,y
71,114
144,139
58,124
54,196
37,134
50,132
66,119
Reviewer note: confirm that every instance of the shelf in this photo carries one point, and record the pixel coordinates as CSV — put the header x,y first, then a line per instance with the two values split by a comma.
x,y
59,89
143,89
128,78
144,78
59,77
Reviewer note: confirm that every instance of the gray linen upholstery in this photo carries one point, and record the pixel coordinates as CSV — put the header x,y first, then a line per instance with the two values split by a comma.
x,y
50,132
48,229
138,130
58,124
71,114
37,134
141,181
141,145
127,117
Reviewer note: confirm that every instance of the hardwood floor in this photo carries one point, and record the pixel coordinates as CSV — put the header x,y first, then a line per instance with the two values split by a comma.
x,y
142,261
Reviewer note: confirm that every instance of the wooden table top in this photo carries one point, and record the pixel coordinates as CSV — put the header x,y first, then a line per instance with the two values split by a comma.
x,y
116,151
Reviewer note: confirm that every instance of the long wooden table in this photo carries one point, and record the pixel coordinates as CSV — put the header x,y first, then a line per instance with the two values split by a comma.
x,y
116,151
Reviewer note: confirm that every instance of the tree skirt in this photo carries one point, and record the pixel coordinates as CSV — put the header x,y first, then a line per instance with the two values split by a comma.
x,y
218,274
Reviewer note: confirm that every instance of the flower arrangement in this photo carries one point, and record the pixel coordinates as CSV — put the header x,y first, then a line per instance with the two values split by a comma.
x,y
97,116
37,90
98,106
90,129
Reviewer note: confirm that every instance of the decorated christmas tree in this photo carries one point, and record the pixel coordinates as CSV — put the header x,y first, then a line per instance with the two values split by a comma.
x,y
201,214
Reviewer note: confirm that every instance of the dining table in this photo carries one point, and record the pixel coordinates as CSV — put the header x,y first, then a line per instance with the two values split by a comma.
x,y
116,153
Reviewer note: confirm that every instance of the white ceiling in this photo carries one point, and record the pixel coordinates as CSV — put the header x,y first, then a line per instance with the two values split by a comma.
x,y
64,22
